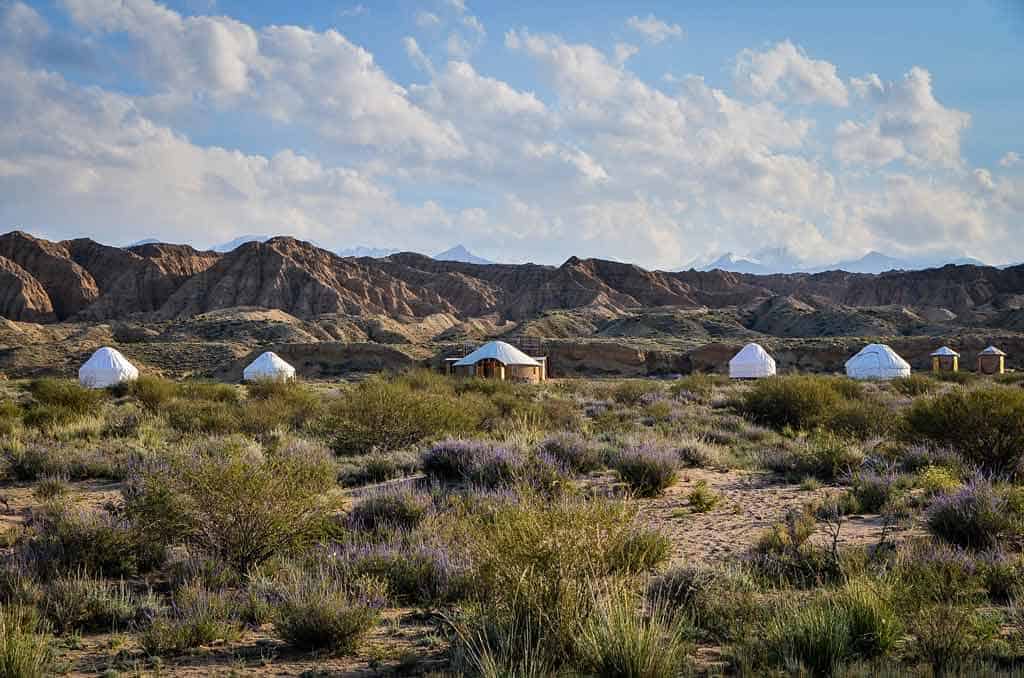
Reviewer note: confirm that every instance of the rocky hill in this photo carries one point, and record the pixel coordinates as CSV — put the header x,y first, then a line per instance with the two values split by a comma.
x,y
81,280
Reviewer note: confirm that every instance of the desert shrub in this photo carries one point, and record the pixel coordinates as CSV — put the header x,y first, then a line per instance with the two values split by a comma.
x,y
25,648
10,417
377,467
397,508
210,391
699,452
873,489
800,402
489,644
197,616
719,602
976,516
415,571
633,391
702,498
914,385
573,451
65,394
50,487
244,508
784,554
648,469
153,392
621,640
695,386
18,586
489,465
63,538
947,635
859,419
26,462
1001,573
933,572
985,425
378,415
78,602
937,480
823,455
313,610
202,416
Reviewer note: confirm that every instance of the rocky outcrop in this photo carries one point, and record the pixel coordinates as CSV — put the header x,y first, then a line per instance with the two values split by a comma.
x,y
21,295
69,286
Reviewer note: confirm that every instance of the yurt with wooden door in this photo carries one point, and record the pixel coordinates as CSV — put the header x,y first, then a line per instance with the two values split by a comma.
x,y
106,367
268,367
991,361
877,361
500,360
752,362
945,359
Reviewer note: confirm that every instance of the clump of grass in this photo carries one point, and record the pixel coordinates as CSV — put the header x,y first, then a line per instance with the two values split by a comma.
x,y
573,451
702,498
313,610
648,469
914,385
976,516
799,402
823,455
415,571
948,635
78,602
873,490
153,392
398,508
50,486
25,648
621,640
196,617
377,467
784,554
719,602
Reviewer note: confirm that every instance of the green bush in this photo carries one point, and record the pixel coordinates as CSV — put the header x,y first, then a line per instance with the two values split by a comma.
x,y
153,392
985,425
799,402
977,516
947,635
65,394
702,498
633,391
202,416
313,610
10,417
78,602
721,602
914,385
648,469
861,419
378,415
210,391
824,455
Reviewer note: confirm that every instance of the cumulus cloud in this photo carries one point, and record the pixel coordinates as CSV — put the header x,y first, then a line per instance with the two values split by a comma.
x,y
906,123
653,29
785,73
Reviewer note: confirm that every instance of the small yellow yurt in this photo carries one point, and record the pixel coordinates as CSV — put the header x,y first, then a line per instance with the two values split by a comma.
x,y
945,360
500,360
991,361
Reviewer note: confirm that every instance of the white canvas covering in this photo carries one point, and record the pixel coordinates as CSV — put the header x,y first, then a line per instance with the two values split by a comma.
x,y
752,362
945,351
991,350
877,361
105,368
504,353
268,366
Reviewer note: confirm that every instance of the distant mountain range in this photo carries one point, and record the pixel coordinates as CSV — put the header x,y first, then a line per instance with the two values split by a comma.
x,y
781,260
460,253
372,252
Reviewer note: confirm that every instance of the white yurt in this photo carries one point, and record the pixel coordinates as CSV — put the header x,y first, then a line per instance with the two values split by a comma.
x,y
268,366
752,362
877,361
105,368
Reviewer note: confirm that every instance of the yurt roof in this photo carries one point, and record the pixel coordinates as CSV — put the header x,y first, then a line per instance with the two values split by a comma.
x,y
752,353
269,363
887,356
992,350
945,351
504,353
107,358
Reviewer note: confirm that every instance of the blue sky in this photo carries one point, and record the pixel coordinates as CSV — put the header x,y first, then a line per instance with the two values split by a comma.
x,y
656,132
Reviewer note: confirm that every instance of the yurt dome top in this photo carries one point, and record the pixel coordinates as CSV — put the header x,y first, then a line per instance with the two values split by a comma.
x,y
877,361
992,350
504,353
106,367
268,364
945,351
752,361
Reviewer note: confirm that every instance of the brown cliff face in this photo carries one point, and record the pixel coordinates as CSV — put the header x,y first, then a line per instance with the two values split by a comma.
x,y
21,295
70,287
85,280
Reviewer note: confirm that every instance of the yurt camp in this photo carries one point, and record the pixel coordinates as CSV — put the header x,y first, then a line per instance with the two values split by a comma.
x,y
877,361
106,367
499,360
270,367
945,359
991,361
752,362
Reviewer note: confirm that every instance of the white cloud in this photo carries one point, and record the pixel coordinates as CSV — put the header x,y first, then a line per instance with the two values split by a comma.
x,y
1011,159
426,19
907,123
785,73
653,29
624,52
354,10
416,55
